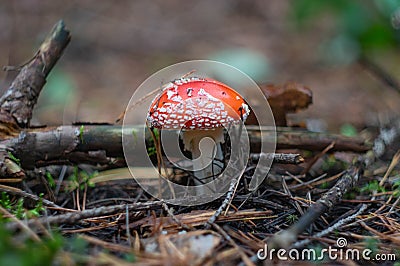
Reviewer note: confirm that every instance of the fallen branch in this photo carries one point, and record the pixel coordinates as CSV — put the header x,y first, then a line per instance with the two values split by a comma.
x,y
288,138
96,144
16,105
65,145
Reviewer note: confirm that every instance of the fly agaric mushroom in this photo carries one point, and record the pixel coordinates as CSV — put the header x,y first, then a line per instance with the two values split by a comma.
x,y
200,108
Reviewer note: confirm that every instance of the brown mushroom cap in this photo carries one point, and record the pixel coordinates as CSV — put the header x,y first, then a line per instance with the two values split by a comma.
x,y
289,97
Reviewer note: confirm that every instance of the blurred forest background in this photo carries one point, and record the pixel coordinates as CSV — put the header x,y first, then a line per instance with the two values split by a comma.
x,y
116,45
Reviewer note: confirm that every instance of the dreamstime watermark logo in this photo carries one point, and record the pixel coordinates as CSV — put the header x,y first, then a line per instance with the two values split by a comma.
x,y
157,179
340,252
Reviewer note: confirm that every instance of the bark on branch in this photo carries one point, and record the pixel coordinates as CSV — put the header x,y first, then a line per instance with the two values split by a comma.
x,y
17,103
96,144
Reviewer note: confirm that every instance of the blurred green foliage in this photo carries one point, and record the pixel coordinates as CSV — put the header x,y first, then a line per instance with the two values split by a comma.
x,y
396,188
333,165
80,179
18,251
57,97
59,88
348,130
360,27
372,244
77,246
317,250
151,149
254,64
372,186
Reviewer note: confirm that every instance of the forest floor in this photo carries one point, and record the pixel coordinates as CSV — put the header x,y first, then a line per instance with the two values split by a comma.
x,y
343,194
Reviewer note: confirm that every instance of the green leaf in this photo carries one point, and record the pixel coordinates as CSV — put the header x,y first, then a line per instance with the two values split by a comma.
x,y
5,201
50,179
81,130
13,158
19,210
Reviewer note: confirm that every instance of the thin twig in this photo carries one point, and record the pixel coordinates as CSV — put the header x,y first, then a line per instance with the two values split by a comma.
x,y
152,93
287,191
332,228
20,224
21,193
224,204
104,244
128,233
317,157
73,217
393,163
176,220
284,158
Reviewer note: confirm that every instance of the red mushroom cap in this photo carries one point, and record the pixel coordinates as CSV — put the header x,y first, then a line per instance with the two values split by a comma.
x,y
196,103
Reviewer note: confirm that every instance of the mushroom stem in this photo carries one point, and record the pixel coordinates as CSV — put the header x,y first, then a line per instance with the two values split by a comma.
x,y
201,144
